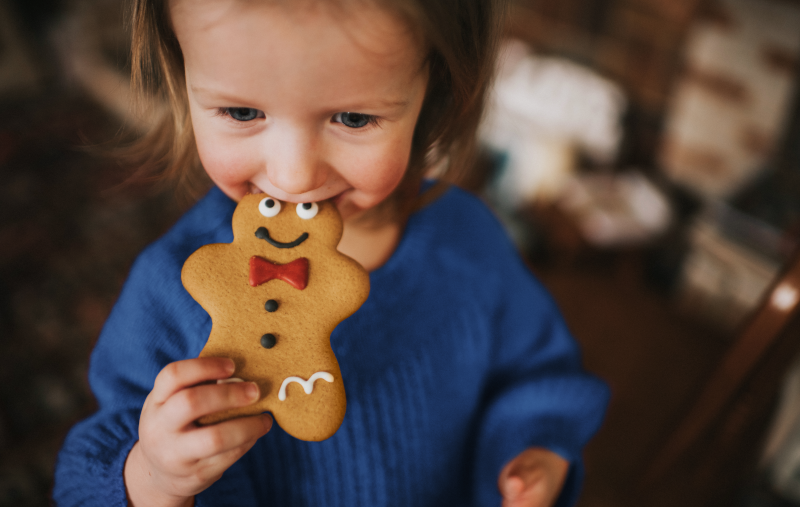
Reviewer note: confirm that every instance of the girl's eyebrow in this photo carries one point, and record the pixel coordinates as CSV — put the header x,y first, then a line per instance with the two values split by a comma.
x,y
216,94
381,103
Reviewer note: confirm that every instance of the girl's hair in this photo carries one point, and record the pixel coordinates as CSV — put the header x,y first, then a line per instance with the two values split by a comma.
x,y
461,40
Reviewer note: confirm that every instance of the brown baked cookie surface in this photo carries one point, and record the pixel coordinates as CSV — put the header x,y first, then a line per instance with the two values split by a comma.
x,y
274,295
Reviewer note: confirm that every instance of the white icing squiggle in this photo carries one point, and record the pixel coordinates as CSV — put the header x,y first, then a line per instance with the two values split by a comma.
x,y
308,385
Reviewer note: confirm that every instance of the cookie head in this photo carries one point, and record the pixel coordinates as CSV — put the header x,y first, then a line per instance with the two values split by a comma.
x,y
294,228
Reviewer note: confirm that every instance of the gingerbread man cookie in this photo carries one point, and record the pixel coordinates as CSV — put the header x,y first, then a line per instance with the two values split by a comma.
x,y
274,295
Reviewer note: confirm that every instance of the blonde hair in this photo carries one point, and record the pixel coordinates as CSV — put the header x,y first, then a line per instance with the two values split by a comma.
x,y
461,40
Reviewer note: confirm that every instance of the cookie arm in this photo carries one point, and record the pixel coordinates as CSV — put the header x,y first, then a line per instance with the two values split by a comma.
x,y
352,287
196,270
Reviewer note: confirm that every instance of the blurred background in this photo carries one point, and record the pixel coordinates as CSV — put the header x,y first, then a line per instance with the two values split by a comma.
x,y
644,155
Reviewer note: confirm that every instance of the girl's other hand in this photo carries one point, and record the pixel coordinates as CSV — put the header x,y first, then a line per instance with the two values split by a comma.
x,y
175,458
533,479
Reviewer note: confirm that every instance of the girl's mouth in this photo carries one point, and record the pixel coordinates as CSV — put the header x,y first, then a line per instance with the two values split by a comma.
x,y
337,199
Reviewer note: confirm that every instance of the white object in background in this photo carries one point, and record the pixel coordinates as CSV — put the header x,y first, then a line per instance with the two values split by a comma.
x,y
537,169
562,100
729,109
541,111
785,297
617,209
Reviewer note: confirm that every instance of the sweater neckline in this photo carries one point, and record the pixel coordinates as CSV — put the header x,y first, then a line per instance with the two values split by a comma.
x,y
411,238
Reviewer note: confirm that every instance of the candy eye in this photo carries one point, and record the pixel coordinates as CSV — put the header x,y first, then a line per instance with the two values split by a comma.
x,y
307,210
269,207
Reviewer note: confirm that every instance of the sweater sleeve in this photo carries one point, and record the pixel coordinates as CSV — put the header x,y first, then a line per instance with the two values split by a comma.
x,y
538,394
153,323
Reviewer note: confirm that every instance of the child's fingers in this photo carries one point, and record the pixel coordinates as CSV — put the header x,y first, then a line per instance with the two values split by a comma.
x,y
210,469
227,441
188,405
534,494
224,460
511,487
189,372
533,478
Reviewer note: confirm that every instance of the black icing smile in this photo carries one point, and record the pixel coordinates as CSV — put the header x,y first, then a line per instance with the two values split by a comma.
x,y
263,233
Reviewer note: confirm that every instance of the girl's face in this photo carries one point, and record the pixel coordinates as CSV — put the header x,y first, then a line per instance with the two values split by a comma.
x,y
303,103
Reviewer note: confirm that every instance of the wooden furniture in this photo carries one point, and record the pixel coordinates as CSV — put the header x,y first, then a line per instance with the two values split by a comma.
x,y
714,446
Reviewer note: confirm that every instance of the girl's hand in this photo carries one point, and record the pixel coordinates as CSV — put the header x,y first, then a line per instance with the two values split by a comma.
x,y
175,458
533,479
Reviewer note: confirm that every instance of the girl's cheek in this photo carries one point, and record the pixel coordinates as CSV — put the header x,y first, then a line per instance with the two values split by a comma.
x,y
376,185
395,162
228,165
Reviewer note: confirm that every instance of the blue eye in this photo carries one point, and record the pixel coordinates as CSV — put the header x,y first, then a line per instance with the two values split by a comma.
x,y
243,113
353,120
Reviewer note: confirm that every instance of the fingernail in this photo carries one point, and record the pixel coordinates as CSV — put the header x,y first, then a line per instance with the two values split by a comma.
x,y
267,420
230,366
251,391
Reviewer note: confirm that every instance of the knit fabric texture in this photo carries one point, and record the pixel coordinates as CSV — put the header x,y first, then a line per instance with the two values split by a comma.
x,y
458,361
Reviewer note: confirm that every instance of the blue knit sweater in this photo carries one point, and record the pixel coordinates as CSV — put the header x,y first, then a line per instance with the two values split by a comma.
x,y
457,362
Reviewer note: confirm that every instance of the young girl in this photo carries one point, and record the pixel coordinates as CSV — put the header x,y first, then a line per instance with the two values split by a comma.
x,y
463,384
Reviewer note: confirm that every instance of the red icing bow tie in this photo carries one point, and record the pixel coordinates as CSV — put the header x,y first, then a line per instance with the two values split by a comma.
x,y
295,273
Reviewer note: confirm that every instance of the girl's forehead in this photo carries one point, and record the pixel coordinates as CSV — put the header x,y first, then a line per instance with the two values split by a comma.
x,y
369,23
272,48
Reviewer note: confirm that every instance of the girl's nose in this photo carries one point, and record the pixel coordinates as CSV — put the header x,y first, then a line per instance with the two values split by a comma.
x,y
293,161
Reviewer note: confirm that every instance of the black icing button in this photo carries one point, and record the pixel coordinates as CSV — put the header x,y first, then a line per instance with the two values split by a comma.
x,y
268,341
271,305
